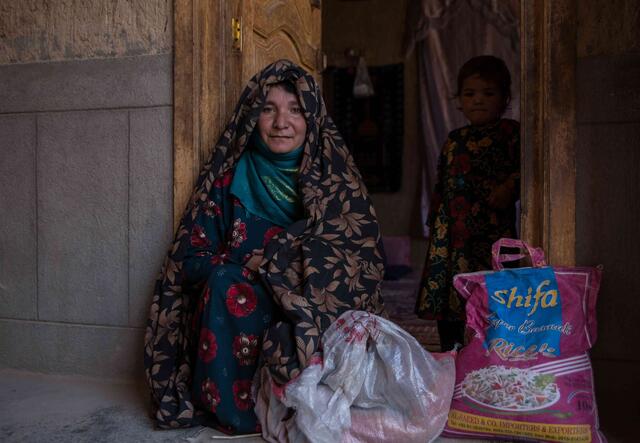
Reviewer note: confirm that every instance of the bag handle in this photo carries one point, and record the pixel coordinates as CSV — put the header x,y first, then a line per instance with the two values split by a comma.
x,y
536,255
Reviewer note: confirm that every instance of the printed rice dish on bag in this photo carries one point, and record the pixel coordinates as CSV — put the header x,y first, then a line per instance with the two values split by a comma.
x,y
526,374
511,389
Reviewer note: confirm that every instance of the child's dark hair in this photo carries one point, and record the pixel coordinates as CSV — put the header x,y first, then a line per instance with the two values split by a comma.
x,y
489,68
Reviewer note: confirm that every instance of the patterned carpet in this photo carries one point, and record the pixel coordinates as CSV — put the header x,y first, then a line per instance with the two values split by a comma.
x,y
400,298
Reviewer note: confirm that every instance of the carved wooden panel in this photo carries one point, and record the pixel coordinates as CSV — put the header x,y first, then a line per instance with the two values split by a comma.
x,y
274,29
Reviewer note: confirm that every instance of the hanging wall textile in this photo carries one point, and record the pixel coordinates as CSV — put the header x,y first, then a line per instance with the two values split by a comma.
x,y
372,127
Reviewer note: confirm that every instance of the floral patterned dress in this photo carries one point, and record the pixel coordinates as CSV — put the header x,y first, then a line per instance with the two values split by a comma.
x,y
233,311
463,226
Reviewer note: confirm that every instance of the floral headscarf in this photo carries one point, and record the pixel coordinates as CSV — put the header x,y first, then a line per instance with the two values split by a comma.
x,y
322,265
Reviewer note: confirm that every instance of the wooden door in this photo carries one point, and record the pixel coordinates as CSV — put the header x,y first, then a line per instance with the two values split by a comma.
x,y
211,67
271,30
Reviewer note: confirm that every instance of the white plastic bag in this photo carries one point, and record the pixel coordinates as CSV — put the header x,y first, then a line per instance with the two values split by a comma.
x,y
374,382
362,86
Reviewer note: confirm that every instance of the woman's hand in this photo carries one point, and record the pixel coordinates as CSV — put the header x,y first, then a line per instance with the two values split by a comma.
x,y
254,262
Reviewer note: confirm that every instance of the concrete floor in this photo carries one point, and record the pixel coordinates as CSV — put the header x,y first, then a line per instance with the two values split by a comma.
x,y
71,409
50,408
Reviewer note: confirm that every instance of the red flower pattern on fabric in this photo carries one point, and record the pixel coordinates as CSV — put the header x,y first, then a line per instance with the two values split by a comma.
x,y
248,274
460,234
210,394
211,208
242,394
218,259
207,346
199,237
224,181
241,300
461,164
239,233
460,207
245,349
270,233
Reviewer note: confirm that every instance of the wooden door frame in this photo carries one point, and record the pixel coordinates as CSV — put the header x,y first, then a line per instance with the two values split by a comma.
x,y
548,119
201,62
548,62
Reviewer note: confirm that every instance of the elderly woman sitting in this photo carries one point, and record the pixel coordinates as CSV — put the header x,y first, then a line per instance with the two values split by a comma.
x,y
278,240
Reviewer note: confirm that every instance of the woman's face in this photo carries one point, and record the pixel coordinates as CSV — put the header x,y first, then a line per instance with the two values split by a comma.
x,y
481,100
281,124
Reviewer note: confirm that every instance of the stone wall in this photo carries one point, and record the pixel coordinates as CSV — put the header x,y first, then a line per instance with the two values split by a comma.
x,y
44,30
85,181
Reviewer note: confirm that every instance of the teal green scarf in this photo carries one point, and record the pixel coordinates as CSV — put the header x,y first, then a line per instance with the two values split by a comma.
x,y
266,182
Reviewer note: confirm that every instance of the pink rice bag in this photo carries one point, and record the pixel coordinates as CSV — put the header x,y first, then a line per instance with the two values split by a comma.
x,y
526,373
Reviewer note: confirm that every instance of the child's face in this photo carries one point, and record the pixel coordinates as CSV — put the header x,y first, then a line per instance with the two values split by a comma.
x,y
481,100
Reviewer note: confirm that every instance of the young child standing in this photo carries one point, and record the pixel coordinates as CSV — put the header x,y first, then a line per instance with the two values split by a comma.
x,y
473,204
